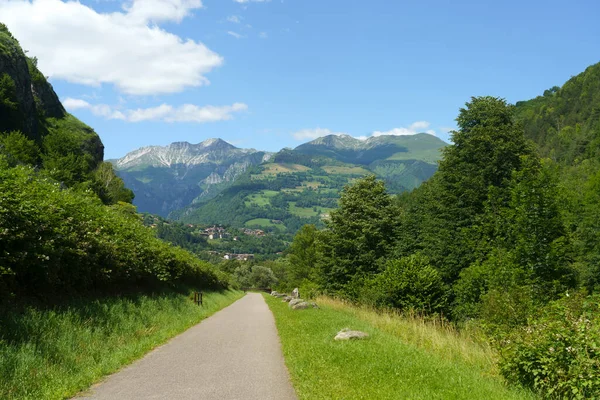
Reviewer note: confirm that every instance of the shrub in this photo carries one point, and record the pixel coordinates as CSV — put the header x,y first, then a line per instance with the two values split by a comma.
x,y
408,283
60,241
558,353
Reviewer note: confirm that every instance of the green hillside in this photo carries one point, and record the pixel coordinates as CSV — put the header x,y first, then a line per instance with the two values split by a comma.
x,y
301,186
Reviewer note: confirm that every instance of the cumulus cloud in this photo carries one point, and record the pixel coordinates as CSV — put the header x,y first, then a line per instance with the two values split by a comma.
x,y
263,35
310,134
163,112
413,129
127,49
234,18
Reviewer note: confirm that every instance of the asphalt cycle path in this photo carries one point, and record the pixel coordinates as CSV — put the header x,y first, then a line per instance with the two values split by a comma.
x,y
234,354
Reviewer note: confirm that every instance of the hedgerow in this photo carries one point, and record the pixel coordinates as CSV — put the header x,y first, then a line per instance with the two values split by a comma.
x,y
55,240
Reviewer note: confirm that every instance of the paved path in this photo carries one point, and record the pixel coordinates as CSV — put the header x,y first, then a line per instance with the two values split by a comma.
x,y
234,354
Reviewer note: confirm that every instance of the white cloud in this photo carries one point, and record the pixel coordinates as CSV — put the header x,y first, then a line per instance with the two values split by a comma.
x,y
163,112
235,34
413,129
73,42
263,35
251,1
311,134
234,18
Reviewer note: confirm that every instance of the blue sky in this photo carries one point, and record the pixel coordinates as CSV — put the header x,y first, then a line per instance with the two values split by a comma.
x,y
271,74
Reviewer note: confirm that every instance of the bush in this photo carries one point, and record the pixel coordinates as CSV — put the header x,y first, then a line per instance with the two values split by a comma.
x,y
558,353
254,277
60,241
408,283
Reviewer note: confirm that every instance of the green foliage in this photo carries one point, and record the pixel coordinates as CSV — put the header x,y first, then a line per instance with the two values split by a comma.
x,y
359,235
565,122
410,283
303,256
109,187
60,241
255,276
18,149
558,352
10,117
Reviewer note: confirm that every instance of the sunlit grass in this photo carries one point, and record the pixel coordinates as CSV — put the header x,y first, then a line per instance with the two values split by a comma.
x,y
53,354
407,359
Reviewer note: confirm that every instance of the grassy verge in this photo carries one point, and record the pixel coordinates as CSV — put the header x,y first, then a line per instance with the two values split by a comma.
x,y
53,354
397,361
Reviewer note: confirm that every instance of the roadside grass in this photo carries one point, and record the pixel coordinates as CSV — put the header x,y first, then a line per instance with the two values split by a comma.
x,y
54,354
390,364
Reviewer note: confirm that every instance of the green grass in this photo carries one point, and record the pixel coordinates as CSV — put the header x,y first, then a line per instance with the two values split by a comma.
x,y
345,170
305,212
386,365
262,198
263,222
54,354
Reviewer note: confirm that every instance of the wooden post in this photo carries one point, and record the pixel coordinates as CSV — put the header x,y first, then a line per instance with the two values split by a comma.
x,y
198,298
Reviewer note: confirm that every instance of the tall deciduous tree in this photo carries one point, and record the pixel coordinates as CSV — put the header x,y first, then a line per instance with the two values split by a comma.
x,y
488,147
359,235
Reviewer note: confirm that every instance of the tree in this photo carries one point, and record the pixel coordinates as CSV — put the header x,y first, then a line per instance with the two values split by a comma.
x,y
487,148
358,236
303,255
18,149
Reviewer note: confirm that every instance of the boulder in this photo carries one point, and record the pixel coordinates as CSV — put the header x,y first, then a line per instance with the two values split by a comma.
x,y
304,305
293,302
287,299
296,293
348,334
274,293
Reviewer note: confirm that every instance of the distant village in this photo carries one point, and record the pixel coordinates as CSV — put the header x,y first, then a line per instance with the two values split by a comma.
x,y
216,232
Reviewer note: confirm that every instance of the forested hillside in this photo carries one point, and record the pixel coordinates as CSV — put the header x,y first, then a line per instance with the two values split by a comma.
x,y
301,186
503,238
66,225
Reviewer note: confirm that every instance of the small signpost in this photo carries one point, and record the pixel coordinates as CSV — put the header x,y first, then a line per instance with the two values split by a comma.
x,y
198,298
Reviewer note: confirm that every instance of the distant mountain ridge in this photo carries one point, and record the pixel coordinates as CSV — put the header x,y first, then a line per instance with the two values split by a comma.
x,y
166,178
300,186
183,153
345,148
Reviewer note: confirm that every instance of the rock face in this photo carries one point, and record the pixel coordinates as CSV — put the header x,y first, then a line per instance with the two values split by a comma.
x,y
295,293
347,334
29,104
33,95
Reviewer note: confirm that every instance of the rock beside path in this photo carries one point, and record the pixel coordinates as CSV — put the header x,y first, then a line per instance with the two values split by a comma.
x,y
302,305
293,302
347,334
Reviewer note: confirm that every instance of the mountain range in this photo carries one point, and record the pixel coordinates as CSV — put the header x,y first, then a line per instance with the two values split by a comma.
x,y
166,178
214,182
